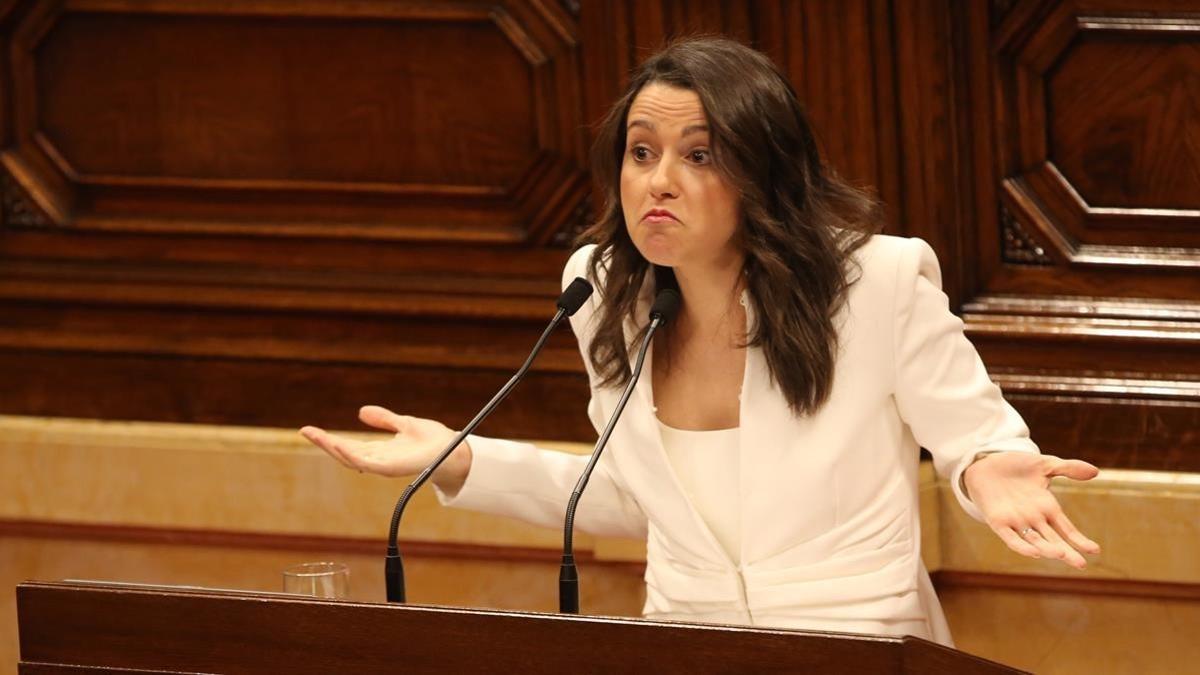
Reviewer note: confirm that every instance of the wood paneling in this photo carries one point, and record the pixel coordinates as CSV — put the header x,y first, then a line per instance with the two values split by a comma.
x,y
371,201
161,105
1087,296
932,72
263,392
1140,149
1103,115
211,206
268,120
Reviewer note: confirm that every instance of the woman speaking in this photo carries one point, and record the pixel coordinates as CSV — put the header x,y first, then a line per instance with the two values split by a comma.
x,y
770,459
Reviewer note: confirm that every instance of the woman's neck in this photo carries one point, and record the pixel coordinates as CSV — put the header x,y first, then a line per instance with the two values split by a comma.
x,y
710,297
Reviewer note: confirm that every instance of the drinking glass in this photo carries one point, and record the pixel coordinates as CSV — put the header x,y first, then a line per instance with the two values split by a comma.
x,y
318,579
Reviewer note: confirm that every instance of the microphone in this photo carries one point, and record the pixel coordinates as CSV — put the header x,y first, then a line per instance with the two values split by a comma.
x,y
666,305
568,303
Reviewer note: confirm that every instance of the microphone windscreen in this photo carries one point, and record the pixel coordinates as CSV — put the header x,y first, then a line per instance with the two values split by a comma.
x,y
578,291
666,305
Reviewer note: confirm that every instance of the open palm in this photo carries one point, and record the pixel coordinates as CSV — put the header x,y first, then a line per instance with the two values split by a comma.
x,y
415,443
1012,491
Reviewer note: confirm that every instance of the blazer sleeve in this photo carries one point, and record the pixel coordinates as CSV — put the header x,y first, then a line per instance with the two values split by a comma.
x,y
943,391
533,484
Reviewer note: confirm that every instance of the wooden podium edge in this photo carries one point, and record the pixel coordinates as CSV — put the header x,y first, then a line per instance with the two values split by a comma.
x,y
106,625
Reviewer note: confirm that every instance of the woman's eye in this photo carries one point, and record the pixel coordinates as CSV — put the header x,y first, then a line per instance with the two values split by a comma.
x,y
639,153
699,156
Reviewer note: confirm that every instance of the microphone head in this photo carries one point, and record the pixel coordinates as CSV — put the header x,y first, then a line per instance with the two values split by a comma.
x,y
666,305
578,291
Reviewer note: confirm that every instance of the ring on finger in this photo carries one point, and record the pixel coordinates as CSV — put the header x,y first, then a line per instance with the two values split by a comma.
x,y
1024,532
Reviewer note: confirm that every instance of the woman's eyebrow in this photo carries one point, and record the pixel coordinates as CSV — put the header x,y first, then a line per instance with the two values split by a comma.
x,y
687,131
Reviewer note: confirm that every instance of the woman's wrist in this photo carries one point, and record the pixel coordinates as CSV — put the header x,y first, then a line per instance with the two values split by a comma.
x,y
452,474
962,479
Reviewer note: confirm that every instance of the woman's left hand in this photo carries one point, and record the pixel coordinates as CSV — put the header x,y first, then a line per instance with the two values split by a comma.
x,y
1012,491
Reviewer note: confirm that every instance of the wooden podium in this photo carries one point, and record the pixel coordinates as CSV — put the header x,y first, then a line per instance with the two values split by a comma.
x,y
77,627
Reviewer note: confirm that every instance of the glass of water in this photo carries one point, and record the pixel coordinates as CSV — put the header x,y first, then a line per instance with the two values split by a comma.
x,y
318,579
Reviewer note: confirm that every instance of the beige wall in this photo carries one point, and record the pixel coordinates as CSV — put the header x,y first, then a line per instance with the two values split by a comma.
x,y
1136,609
87,499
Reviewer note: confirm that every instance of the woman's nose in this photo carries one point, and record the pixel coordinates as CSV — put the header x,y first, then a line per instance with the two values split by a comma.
x,y
662,179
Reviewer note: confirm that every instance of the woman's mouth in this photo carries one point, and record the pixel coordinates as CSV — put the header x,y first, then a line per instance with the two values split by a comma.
x,y
659,216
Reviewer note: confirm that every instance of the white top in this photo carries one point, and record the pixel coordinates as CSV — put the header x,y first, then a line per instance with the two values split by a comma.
x,y
706,465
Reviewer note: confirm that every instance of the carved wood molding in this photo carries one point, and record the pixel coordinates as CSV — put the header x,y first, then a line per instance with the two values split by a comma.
x,y
378,318
1070,364
1084,307
580,219
1127,388
1052,327
1075,88
390,314
1089,319
562,358
18,208
1113,346
1017,246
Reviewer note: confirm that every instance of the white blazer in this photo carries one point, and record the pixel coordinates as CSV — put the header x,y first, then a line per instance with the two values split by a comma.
x,y
829,513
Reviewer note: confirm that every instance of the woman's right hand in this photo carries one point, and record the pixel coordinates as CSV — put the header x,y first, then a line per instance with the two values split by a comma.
x,y
416,443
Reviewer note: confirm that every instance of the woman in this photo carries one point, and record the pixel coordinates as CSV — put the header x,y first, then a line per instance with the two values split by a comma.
x,y
770,459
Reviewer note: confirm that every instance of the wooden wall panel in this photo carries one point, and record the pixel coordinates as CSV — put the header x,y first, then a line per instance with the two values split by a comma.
x,y
355,120
934,104
211,206
1121,129
1088,281
260,392
838,57
143,98
376,197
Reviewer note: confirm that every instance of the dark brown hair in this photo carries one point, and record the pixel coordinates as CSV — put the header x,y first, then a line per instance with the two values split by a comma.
x,y
800,222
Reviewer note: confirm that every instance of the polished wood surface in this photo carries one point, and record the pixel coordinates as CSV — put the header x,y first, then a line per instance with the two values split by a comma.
x,y
270,212
96,626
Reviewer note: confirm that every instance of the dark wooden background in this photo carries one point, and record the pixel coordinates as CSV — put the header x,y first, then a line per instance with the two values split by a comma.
x,y
272,211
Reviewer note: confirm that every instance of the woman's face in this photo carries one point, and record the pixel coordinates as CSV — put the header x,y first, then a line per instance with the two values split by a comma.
x,y
679,210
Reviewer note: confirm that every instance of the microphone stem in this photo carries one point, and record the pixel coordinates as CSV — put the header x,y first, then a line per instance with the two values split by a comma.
x,y
568,580
394,568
